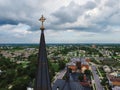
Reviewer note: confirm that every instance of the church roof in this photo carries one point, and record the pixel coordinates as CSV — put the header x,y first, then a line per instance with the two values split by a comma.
x,y
71,85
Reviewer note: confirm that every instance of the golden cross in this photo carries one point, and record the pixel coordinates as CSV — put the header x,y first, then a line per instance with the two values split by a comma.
x,y
42,19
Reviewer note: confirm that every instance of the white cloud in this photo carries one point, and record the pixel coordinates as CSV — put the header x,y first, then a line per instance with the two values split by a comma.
x,y
67,20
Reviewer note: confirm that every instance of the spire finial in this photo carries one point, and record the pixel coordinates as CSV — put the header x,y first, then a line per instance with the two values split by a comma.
x,y
42,19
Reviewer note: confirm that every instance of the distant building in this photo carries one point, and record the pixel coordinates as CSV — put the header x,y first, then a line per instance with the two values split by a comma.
x,y
114,79
80,63
115,74
72,66
88,60
84,65
29,88
83,68
106,69
116,88
93,46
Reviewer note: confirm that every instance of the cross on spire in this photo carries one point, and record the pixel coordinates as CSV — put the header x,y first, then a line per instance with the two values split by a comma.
x,y
42,19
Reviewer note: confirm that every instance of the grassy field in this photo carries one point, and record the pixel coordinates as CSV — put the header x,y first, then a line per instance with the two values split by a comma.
x,y
55,66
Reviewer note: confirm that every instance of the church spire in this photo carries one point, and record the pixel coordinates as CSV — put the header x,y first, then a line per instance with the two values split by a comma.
x,y
42,81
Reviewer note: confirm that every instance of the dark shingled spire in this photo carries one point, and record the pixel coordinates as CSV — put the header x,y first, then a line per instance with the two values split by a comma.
x,y
42,81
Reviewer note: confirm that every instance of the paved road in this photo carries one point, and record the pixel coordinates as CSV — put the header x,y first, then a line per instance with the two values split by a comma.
x,y
60,75
96,78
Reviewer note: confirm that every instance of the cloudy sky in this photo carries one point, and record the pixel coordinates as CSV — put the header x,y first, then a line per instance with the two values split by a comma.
x,y
67,21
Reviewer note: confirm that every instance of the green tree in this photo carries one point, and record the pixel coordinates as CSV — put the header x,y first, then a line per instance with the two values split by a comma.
x,y
87,72
104,81
61,64
81,77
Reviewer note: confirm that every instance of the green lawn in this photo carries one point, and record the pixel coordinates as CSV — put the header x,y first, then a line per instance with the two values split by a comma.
x,y
55,66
